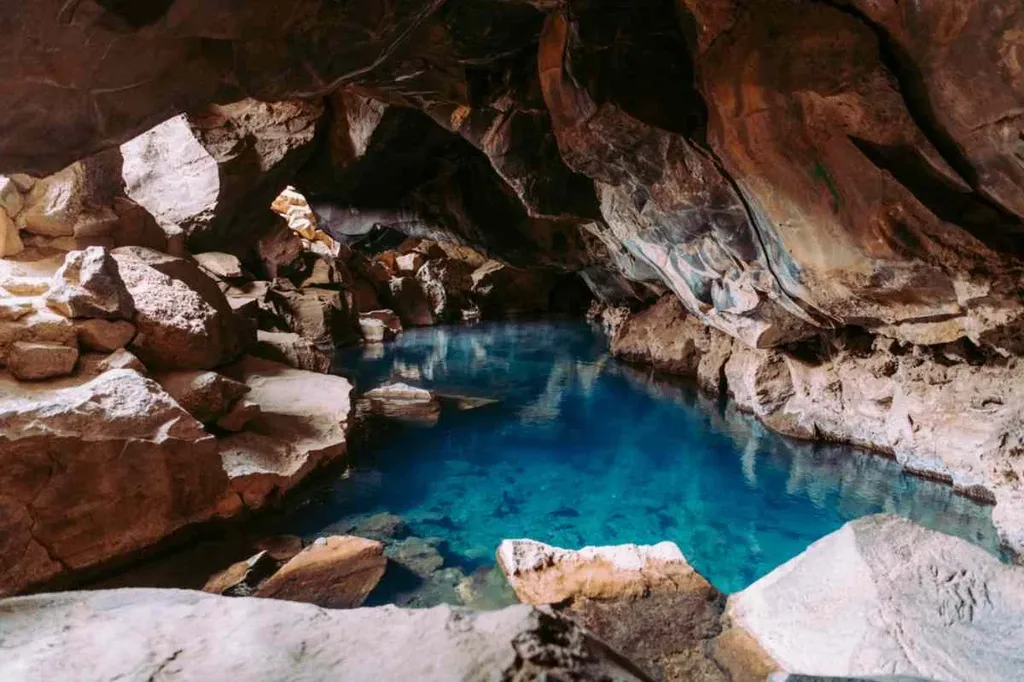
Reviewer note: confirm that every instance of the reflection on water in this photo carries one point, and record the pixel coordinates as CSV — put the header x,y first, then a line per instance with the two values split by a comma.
x,y
585,450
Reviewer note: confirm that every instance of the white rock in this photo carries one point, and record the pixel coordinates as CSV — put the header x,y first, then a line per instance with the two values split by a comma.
x,y
148,634
220,265
883,595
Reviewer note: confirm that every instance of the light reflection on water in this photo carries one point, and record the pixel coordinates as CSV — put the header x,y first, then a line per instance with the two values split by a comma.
x,y
585,450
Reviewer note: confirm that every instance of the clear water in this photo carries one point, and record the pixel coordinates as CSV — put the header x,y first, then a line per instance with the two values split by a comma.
x,y
583,450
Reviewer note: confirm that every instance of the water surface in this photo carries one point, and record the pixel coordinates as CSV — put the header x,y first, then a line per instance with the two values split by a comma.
x,y
584,450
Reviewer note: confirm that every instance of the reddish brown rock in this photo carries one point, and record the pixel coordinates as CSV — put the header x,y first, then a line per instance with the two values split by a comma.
x,y
335,572
410,302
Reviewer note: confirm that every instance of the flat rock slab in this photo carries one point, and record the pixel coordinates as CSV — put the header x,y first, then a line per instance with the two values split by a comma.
x,y
884,596
336,572
171,634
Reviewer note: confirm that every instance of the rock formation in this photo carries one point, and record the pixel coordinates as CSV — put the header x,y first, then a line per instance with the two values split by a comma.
x,y
883,594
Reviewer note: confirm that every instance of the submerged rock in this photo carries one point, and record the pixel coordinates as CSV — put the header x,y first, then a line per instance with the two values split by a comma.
x,y
542,574
884,595
337,572
132,633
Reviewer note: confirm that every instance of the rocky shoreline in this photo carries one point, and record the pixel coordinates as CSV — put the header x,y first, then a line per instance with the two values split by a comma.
x,y
948,412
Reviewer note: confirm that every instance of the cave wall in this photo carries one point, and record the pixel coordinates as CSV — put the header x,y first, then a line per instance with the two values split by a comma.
x,y
785,167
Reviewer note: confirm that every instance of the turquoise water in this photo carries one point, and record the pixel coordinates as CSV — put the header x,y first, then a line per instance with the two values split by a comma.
x,y
584,450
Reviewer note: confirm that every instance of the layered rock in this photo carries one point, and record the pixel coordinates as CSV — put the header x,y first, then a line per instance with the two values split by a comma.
x,y
204,636
883,595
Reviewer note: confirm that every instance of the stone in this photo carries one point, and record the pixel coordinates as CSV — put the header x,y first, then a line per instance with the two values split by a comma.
x,y
37,361
205,395
241,579
104,336
53,205
884,595
145,632
410,302
11,202
416,555
280,547
383,526
292,350
15,308
542,574
38,326
447,284
95,364
405,403
378,326
502,290
409,263
89,284
220,265
278,249
183,320
336,572
10,240
135,468
23,182
239,416
303,424
321,316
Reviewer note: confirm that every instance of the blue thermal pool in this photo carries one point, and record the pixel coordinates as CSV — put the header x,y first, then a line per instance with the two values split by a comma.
x,y
584,450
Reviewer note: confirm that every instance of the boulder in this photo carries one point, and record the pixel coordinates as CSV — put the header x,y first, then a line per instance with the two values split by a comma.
x,y
220,265
378,326
447,284
205,395
134,468
242,578
10,240
38,326
321,316
95,364
292,350
183,320
335,572
36,361
89,284
104,336
54,204
303,423
499,289
883,595
542,574
11,202
416,555
196,636
410,302
405,403
278,248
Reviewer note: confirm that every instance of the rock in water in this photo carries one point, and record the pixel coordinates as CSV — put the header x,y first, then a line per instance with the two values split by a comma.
x,y
337,572
883,595
542,574
405,403
143,634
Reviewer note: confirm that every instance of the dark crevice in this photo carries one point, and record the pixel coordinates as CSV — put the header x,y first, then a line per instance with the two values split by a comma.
x,y
999,229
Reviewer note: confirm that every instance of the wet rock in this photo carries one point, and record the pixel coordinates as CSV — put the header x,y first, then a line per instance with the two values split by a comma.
x,y
205,395
405,403
883,594
104,336
542,574
292,350
335,572
410,302
134,465
303,423
416,555
384,526
223,638
89,284
242,579
379,326
321,316
183,320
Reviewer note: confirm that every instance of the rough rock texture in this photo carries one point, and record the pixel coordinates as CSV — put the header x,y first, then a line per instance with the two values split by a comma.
x,y
303,422
885,596
336,572
182,318
104,336
292,350
36,361
95,471
205,637
207,396
405,403
89,285
542,574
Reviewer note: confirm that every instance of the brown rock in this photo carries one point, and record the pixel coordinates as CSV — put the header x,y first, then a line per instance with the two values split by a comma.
x,y
10,240
292,350
53,205
239,416
278,249
39,326
303,424
95,364
207,396
135,467
380,325
410,302
542,574
89,284
220,265
104,336
409,263
499,289
242,579
36,361
335,572
280,547
183,320
321,316
405,403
